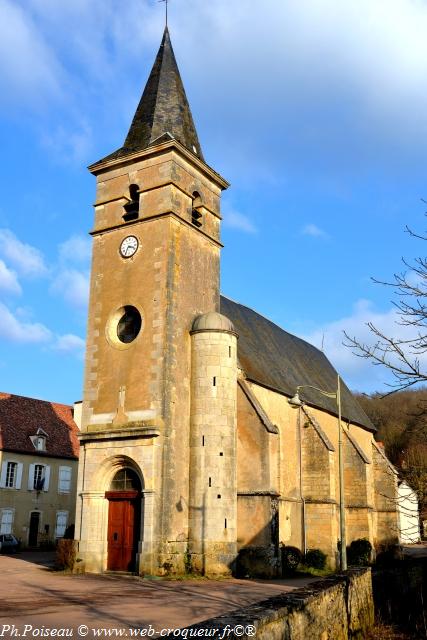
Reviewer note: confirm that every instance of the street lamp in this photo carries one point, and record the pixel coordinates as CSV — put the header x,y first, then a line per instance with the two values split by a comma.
x,y
297,403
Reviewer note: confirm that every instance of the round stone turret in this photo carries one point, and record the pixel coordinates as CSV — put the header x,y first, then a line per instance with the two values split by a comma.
x,y
213,486
213,321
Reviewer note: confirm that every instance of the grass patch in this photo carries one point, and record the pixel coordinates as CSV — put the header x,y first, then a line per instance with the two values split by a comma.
x,y
303,570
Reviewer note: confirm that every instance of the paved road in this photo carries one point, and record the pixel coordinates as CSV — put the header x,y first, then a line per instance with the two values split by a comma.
x,y
33,594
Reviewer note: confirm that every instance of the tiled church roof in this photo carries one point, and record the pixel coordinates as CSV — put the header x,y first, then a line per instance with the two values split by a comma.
x,y
21,417
276,359
163,111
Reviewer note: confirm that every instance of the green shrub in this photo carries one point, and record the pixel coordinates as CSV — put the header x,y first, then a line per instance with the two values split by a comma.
x,y
359,552
65,554
315,558
291,557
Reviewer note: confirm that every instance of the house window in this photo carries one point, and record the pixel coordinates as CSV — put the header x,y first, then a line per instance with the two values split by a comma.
x,y
64,482
6,521
39,440
11,474
11,470
40,443
39,477
61,523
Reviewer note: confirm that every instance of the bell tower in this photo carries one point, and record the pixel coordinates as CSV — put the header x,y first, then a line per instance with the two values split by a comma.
x,y
155,268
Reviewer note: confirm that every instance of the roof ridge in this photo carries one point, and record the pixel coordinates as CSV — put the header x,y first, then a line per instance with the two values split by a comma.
x,y
18,395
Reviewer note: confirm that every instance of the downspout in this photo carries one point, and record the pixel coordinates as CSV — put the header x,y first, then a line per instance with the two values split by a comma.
x,y
301,492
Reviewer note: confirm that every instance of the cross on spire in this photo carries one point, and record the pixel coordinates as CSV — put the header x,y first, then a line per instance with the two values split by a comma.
x,y
166,6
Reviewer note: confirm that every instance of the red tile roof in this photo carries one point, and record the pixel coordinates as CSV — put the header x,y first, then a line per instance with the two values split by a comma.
x,y
20,417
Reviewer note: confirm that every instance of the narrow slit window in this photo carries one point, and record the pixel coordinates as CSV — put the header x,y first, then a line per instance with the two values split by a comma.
x,y
196,216
203,441
214,381
229,352
210,482
132,205
225,523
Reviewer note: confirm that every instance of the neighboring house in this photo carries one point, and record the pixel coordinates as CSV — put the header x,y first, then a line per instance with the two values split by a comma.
x,y
409,517
38,468
192,456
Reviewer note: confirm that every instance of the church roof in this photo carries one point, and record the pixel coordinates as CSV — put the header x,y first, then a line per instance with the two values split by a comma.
x,y
22,417
280,361
163,112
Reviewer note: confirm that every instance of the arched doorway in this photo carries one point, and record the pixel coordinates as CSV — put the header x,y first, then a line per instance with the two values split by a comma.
x,y
124,520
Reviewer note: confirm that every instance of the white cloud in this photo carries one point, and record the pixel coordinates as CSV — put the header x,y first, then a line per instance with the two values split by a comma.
x,y
314,231
69,145
236,220
76,249
73,286
70,343
29,69
15,330
358,372
9,280
27,260
330,80
359,66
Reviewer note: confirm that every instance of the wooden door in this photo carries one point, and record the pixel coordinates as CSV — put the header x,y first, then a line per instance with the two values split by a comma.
x,y
123,530
34,529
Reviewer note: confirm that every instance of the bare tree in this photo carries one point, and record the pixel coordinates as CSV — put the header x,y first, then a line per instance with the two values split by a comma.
x,y
401,356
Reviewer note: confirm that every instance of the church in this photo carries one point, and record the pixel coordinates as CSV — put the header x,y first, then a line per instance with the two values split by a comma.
x,y
192,458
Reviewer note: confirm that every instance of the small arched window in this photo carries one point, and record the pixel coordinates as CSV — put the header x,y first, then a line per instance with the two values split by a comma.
x,y
196,216
132,205
126,480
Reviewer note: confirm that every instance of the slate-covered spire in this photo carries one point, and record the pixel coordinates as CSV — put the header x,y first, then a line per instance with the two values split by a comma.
x,y
163,111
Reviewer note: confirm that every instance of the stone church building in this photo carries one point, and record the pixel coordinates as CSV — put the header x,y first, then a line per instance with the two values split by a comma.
x,y
191,456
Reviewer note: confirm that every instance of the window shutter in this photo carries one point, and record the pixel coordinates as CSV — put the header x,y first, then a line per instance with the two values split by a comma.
x,y
46,478
61,523
3,474
64,482
31,477
19,476
6,521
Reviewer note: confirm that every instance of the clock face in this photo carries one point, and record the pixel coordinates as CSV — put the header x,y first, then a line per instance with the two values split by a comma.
x,y
128,246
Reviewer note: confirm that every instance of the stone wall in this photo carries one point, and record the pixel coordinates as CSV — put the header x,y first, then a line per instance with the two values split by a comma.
x,y
400,594
337,608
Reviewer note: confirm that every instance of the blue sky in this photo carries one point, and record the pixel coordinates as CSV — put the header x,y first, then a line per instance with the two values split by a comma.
x,y
314,111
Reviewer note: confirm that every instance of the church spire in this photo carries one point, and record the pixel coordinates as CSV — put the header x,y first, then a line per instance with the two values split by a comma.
x,y
163,111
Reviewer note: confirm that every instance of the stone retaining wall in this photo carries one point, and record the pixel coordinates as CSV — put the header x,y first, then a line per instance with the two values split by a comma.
x,y
400,594
336,608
